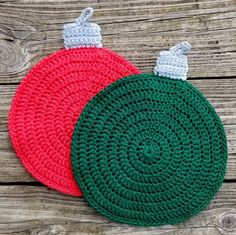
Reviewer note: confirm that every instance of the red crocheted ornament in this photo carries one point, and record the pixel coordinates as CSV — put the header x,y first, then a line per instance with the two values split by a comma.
x,y
48,103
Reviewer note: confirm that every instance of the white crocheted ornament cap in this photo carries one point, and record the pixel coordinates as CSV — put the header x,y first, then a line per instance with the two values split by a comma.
x,y
82,33
173,63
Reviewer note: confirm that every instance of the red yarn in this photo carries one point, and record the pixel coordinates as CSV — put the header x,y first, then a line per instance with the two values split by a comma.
x,y
48,103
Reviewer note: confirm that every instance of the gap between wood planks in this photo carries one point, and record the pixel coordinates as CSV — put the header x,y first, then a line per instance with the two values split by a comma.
x,y
189,79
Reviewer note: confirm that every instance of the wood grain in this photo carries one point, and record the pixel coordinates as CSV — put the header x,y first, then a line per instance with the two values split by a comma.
x,y
38,210
137,29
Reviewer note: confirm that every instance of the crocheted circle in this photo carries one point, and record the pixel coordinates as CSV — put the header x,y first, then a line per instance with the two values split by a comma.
x,y
48,103
148,150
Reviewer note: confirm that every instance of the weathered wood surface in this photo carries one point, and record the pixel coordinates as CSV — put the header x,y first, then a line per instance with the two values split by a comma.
x,y
137,29
37,210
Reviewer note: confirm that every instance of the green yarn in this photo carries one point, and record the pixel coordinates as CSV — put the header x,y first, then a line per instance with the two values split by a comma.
x,y
148,151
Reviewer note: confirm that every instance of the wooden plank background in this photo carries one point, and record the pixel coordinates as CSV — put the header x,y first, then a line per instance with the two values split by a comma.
x,y
138,30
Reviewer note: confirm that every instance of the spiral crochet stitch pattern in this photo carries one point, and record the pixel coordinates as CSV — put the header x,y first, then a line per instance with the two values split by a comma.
x,y
149,151
48,103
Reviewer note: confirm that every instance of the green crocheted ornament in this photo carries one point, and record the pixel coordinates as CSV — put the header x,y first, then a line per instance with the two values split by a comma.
x,y
149,150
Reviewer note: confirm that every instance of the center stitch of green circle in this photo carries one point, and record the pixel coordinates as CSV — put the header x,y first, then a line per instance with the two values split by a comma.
x,y
151,151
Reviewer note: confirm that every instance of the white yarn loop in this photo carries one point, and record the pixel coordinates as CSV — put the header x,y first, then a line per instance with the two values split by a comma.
x,y
85,15
182,48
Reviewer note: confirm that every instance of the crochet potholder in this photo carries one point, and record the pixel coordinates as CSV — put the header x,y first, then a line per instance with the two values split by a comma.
x,y
150,150
51,97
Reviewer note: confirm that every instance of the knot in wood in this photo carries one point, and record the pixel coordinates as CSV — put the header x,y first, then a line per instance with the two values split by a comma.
x,y
228,223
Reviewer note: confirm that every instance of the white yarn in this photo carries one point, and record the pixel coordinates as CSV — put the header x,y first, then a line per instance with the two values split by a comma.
x,y
173,63
82,33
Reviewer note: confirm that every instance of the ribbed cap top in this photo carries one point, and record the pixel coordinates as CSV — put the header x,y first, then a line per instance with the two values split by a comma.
x,y
82,33
173,63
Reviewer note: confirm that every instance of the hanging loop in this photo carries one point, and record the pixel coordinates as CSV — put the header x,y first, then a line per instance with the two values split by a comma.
x,y
85,15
